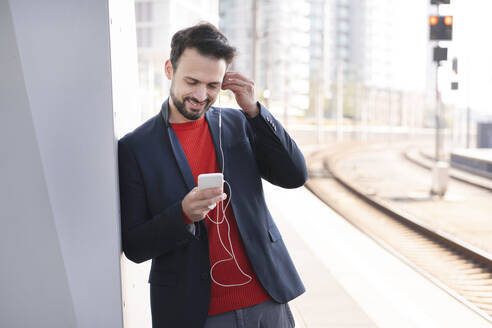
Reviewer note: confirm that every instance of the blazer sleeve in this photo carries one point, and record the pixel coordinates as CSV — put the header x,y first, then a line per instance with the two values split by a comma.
x,y
278,158
145,237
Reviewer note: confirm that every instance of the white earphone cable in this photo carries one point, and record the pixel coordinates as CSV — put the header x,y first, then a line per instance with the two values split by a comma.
x,y
224,218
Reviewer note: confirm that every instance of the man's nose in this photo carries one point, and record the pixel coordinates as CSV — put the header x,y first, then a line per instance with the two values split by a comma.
x,y
200,93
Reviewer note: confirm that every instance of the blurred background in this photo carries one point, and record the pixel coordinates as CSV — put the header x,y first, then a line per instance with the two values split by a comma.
x,y
366,65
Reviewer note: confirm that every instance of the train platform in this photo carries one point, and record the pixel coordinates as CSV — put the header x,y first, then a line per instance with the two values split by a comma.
x,y
477,161
350,280
469,165
479,154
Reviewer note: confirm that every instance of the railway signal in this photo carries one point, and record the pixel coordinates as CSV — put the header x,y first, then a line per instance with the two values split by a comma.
x,y
441,28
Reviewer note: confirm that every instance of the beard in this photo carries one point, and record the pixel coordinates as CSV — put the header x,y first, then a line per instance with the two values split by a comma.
x,y
189,114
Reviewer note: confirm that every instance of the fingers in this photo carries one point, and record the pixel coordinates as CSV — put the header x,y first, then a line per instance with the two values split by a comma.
x,y
208,193
232,79
238,82
243,90
204,204
202,208
236,76
239,88
198,203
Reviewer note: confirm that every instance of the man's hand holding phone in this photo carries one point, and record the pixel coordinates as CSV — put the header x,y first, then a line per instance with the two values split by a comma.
x,y
202,199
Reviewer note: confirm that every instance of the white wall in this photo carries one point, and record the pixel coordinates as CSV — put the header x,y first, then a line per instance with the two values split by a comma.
x,y
59,206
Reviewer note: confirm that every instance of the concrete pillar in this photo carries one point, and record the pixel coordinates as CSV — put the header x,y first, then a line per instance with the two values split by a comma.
x,y
60,238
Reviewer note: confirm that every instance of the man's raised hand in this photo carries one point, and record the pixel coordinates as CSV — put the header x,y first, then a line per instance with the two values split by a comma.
x,y
243,90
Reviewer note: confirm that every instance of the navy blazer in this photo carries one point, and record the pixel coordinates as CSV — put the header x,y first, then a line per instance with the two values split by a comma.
x,y
154,177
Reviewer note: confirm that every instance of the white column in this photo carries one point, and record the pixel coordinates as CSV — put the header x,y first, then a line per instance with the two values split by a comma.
x,y
60,239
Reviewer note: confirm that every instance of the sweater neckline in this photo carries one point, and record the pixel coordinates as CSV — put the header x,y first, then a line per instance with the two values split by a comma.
x,y
189,125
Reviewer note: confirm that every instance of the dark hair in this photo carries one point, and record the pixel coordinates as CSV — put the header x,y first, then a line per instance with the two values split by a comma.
x,y
206,39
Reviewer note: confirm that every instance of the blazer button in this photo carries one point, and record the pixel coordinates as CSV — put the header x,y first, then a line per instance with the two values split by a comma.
x,y
205,275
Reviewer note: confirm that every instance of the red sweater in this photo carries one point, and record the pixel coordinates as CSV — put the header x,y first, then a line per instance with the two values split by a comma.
x,y
196,140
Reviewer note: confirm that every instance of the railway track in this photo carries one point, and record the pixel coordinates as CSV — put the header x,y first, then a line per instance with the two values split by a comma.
x,y
460,269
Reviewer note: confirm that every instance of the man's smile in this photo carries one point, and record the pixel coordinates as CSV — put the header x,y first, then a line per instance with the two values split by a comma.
x,y
195,105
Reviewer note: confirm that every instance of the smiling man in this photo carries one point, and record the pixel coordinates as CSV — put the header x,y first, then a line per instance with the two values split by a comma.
x,y
195,85
218,259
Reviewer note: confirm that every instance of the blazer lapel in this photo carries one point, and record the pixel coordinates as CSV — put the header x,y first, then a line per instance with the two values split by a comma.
x,y
212,117
177,149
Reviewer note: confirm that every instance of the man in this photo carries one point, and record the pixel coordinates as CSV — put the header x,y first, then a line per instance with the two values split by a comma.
x,y
216,262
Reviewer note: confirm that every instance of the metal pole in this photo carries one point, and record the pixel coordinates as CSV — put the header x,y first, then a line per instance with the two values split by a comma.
x,y
438,101
438,108
440,171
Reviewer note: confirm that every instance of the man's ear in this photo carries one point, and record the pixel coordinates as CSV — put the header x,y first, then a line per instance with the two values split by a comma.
x,y
168,69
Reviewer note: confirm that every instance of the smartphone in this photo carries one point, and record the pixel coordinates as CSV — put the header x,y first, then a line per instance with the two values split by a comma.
x,y
210,180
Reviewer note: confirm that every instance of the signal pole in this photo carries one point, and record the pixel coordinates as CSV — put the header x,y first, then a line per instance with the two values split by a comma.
x,y
440,29
438,115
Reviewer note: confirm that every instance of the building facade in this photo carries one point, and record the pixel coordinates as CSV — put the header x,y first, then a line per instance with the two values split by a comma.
x,y
370,56
272,38
156,23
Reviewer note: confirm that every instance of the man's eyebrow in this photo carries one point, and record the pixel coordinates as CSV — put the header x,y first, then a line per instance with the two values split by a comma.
x,y
198,81
190,78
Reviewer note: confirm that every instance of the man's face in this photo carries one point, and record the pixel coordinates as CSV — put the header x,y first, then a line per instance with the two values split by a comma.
x,y
195,83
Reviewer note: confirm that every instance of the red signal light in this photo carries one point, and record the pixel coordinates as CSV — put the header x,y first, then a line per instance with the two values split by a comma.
x,y
433,20
448,20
